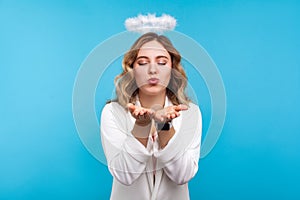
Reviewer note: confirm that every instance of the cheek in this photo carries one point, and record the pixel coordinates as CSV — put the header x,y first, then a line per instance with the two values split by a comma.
x,y
139,76
165,76
165,72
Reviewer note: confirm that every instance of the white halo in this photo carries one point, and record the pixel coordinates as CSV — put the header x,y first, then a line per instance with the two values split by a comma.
x,y
150,23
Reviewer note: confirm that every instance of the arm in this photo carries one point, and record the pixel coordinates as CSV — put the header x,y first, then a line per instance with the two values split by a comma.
x,y
165,136
180,157
143,122
167,114
126,156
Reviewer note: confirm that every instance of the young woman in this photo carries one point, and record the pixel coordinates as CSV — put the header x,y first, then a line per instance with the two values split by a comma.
x,y
151,133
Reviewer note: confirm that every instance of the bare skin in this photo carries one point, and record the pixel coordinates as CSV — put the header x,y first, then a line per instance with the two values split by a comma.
x,y
152,72
146,118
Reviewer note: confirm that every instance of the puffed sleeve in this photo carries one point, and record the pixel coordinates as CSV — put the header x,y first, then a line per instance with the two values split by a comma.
x,y
179,159
126,156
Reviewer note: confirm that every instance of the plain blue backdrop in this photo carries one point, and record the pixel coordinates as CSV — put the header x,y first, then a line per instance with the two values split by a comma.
x,y
255,45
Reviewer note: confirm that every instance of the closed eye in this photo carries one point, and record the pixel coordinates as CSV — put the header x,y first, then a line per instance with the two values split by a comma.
x,y
142,63
162,63
142,60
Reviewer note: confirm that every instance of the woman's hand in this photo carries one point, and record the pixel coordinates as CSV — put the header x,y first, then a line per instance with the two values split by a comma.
x,y
142,115
168,113
143,119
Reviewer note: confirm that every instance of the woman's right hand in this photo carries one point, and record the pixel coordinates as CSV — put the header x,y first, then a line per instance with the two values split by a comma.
x,y
142,115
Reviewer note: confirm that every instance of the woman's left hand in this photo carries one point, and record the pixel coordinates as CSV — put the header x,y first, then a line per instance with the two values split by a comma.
x,y
168,113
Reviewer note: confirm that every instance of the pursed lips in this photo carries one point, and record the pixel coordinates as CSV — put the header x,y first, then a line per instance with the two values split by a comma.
x,y
153,81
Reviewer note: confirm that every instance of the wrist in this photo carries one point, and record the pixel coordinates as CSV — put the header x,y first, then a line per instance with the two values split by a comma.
x,y
142,122
164,126
141,130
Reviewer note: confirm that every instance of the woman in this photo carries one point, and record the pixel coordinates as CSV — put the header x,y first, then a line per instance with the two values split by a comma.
x,y
151,133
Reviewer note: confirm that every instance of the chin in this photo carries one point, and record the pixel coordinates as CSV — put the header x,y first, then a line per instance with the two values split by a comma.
x,y
153,90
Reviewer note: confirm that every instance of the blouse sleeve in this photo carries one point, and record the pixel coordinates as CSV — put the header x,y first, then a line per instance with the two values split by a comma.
x,y
179,159
126,157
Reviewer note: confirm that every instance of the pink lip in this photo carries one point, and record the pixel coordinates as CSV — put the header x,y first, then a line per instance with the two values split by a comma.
x,y
153,81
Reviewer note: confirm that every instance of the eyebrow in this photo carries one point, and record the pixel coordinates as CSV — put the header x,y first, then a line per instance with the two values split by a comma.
x,y
158,57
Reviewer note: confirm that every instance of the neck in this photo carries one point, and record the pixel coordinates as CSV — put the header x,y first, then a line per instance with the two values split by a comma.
x,y
149,101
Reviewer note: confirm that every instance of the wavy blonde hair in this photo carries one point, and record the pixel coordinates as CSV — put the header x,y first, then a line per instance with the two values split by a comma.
x,y
126,88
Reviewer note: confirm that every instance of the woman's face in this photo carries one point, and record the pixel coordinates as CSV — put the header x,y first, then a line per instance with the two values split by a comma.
x,y
152,68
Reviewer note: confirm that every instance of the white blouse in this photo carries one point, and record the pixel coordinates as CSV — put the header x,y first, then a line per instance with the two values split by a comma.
x,y
150,173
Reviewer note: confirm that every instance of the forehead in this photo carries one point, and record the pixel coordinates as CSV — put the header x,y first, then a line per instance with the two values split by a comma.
x,y
153,48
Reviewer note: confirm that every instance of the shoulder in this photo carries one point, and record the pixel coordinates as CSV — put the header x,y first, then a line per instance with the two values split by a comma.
x,y
195,109
194,106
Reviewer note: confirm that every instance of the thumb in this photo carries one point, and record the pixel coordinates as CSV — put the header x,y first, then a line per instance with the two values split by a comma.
x,y
131,107
181,107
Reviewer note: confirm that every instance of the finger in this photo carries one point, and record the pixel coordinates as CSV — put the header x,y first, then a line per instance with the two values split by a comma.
x,y
173,115
131,107
141,112
181,107
148,113
151,112
136,113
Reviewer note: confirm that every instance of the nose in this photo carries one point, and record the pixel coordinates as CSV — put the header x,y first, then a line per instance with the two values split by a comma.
x,y
152,68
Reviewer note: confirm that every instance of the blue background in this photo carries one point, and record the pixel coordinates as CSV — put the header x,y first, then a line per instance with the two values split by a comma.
x,y
254,44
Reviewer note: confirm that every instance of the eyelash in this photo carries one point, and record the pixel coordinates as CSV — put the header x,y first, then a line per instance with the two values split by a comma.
x,y
159,63
141,64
